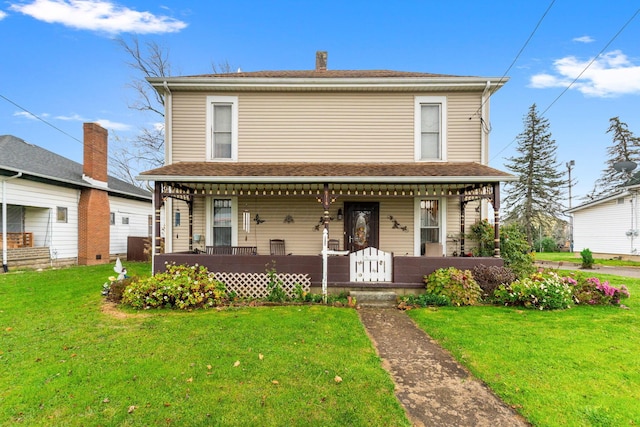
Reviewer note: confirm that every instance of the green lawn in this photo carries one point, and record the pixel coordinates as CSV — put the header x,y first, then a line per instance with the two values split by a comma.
x,y
63,361
575,367
576,258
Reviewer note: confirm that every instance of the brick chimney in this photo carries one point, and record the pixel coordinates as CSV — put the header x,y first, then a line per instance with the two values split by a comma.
x,y
95,152
93,207
321,60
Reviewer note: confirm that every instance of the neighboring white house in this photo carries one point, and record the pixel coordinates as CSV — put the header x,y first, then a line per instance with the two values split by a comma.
x,y
41,202
608,225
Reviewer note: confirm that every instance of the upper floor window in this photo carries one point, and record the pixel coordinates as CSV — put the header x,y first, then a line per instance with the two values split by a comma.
x,y
430,127
222,127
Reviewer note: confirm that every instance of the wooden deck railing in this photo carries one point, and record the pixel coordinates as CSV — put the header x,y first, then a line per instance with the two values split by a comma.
x,y
17,240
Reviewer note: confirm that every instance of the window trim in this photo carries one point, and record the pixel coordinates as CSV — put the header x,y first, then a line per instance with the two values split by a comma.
x,y
442,207
419,101
233,101
59,210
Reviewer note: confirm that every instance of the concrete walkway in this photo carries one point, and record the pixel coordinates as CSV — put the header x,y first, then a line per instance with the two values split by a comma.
x,y
433,388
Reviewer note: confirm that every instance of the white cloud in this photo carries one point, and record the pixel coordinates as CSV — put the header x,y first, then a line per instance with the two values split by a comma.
x,y
105,123
108,124
2,15
30,116
98,15
584,39
611,74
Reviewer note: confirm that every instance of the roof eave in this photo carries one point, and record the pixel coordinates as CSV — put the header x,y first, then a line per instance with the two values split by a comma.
x,y
328,179
77,184
408,83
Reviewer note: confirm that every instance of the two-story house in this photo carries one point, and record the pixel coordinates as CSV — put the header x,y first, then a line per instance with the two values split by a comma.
x,y
262,162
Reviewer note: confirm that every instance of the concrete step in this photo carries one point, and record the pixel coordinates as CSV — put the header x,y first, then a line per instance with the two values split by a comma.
x,y
374,298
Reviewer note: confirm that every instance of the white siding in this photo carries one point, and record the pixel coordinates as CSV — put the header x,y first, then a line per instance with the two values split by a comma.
x,y
42,201
602,228
138,213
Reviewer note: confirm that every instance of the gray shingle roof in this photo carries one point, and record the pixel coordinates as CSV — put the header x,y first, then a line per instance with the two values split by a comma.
x,y
39,164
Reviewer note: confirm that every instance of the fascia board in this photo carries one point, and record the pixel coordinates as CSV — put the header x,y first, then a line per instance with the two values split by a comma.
x,y
329,179
413,83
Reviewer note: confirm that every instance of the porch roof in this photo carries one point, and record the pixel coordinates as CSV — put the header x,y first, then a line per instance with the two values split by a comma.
x,y
314,172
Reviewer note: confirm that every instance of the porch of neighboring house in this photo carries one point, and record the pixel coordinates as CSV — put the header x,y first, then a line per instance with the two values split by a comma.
x,y
28,237
331,263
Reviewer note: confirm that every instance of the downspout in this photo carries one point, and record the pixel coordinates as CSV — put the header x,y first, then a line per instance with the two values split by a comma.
x,y
5,267
484,137
168,159
168,101
483,134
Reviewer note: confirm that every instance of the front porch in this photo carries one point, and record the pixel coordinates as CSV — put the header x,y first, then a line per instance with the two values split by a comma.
x,y
407,271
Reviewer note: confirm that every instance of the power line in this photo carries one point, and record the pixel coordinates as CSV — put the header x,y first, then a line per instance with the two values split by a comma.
x,y
40,118
50,124
579,75
517,55
593,60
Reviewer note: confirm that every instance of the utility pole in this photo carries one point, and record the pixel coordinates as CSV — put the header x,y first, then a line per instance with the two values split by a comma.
x,y
570,164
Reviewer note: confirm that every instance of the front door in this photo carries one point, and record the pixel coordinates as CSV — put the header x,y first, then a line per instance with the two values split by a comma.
x,y
361,225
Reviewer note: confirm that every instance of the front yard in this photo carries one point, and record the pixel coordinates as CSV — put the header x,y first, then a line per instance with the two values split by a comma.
x,y
66,359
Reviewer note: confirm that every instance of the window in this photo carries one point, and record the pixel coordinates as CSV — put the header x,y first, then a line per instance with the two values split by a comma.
x,y
429,223
222,127
125,220
61,215
222,224
112,218
150,225
430,127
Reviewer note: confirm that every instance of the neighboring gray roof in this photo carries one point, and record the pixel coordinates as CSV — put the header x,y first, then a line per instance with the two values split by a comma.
x,y
39,164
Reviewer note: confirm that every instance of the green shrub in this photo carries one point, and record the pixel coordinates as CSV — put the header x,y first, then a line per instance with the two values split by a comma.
x,y
514,249
180,286
546,244
544,291
276,292
489,277
113,290
423,300
458,286
482,232
590,290
587,258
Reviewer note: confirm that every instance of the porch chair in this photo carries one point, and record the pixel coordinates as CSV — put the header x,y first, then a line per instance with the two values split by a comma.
x,y
277,247
333,245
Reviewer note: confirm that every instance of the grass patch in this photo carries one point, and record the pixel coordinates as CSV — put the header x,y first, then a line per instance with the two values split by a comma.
x,y
64,360
575,367
576,258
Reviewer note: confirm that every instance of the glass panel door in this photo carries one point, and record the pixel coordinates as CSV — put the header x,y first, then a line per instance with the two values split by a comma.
x,y
361,225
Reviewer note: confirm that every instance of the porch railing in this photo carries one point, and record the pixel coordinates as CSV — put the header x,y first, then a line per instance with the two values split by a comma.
x,y
17,240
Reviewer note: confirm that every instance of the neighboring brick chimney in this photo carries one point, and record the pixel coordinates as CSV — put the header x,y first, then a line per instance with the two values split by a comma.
x,y
93,207
321,60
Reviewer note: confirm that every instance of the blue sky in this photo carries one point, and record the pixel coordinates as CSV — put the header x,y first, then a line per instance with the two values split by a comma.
x,y
60,61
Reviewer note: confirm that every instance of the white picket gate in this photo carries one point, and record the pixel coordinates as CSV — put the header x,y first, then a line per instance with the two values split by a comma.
x,y
371,265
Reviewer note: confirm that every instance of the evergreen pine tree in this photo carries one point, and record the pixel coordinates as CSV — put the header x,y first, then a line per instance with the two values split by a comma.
x,y
625,147
534,200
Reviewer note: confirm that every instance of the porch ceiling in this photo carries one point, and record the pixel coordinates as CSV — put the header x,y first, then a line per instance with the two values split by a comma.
x,y
317,172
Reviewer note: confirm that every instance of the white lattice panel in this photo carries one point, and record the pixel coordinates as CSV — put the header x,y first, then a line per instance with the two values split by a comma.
x,y
256,285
